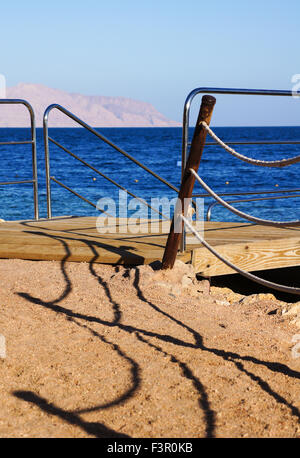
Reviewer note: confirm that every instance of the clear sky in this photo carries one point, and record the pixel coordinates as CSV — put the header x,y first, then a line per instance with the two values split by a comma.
x,y
158,51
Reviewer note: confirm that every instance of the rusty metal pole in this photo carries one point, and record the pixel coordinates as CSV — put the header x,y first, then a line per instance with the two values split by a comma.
x,y
188,180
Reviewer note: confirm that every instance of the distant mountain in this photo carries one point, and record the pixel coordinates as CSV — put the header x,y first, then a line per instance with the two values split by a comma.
x,y
98,111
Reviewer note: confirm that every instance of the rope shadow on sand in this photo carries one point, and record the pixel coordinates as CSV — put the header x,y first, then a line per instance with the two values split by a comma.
x,y
229,356
98,430
186,372
141,333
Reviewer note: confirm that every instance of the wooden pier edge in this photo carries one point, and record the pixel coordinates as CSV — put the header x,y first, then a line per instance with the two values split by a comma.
x,y
249,256
249,246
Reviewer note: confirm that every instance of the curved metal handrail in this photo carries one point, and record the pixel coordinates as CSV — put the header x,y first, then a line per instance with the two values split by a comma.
x,y
34,180
215,90
101,137
254,199
237,212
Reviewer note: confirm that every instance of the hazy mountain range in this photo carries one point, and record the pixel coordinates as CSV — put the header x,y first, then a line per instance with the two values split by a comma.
x,y
98,111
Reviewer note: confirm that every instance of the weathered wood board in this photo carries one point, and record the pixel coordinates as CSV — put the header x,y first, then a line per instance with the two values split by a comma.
x,y
259,255
249,246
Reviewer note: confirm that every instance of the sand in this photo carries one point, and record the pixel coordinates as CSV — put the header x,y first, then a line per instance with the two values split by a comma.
x,y
103,351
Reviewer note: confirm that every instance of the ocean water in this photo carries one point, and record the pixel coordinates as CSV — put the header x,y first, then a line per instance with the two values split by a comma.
x,y
160,150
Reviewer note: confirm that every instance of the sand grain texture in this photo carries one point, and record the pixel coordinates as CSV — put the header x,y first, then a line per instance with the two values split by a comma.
x,y
95,351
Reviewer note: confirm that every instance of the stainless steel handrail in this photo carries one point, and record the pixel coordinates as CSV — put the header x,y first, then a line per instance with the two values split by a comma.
x,y
214,90
29,142
102,175
211,206
248,193
261,142
34,180
101,137
78,195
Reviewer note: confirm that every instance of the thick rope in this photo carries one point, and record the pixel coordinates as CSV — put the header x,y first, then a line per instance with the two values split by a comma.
x,y
264,222
269,284
280,163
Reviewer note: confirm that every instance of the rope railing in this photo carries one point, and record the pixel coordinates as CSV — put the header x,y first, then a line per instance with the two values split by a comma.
x,y
279,163
268,284
189,175
253,219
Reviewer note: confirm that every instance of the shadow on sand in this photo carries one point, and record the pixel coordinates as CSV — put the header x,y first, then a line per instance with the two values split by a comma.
x,y
144,336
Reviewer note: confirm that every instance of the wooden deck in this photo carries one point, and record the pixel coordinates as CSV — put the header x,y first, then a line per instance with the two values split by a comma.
x,y
249,246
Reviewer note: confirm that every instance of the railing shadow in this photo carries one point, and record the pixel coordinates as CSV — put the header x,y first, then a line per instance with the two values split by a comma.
x,y
232,357
143,336
135,379
98,430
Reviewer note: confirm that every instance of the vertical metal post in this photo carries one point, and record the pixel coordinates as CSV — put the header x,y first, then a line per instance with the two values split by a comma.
x,y
47,165
188,180
185,139
34,164
34,180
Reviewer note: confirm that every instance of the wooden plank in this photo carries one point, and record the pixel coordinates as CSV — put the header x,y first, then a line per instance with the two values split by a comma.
x,y
260,255
88,225
47,238
213,230
236,231
83,254
58,252
58,240
77,239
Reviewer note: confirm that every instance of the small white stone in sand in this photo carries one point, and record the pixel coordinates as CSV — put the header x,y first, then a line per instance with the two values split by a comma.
x,y
226,303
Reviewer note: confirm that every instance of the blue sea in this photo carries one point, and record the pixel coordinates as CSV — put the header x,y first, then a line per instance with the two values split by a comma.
x,y
160,150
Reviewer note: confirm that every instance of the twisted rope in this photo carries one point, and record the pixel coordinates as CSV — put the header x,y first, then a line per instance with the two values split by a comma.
x,y
269,284
279,163
264,222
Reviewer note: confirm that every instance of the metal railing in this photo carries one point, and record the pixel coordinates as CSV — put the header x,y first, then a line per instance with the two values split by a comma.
x,y
50,178
186,143
253,199
31,142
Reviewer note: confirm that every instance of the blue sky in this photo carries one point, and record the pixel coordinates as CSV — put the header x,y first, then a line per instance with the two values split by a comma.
x,y
158,51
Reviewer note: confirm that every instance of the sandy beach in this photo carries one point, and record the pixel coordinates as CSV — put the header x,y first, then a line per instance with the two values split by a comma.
x,y
150,158
101,351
